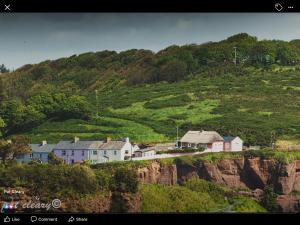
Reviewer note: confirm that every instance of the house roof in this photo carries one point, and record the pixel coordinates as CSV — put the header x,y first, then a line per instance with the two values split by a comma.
x,y
90,145
228,138
79,145
42,148
201,137
112,145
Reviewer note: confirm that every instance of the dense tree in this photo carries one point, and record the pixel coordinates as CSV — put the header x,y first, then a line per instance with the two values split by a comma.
x,y
173,71
286,55
3,69
125,180
2,90
2,125
269,199
5,150
54,160
20,146
19,117
60,105
76,107
17,146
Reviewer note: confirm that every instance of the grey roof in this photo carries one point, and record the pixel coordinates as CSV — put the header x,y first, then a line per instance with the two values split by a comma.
x,y
201,137
79,145
228,138
113,145
42,148
90,145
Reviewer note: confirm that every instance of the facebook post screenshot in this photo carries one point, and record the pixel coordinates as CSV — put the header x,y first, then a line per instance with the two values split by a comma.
x,y
154,112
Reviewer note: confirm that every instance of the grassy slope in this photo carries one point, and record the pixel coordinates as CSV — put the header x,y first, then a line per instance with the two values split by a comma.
x,y
194,196
237,105
280,156
107,126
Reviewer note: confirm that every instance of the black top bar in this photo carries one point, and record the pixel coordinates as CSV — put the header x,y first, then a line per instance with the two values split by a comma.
x,y
7,6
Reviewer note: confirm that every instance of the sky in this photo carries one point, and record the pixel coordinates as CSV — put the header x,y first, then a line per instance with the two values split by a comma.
x,y
31,38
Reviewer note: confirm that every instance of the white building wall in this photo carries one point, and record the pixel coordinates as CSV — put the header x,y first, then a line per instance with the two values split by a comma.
x,y
98,158
110,155
127,148
236,144
217,146
113,155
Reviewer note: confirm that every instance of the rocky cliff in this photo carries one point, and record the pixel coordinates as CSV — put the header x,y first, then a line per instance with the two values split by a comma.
x,y
253,173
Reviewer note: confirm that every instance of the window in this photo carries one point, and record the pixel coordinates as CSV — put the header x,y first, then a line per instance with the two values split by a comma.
x,y
31,155
63,152
104,152
72,152
41,156
126,152
115,152
72,161
95,152
82,153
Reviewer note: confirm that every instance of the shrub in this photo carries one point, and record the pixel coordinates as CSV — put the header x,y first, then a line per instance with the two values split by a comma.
x,y
125,180
186,150
269,199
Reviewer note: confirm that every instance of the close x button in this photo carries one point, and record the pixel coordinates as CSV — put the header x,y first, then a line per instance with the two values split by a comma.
x,y
7,7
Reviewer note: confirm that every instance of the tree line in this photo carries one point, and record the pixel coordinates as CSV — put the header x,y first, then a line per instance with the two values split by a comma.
x,y
176,63
18,116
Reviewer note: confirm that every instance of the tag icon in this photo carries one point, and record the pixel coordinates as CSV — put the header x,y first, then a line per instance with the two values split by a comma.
x,y
278,7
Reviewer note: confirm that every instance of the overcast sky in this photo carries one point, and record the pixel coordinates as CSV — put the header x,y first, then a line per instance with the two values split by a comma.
x,y
31,38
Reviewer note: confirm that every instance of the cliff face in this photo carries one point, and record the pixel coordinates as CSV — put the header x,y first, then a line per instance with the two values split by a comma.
x,y
158,174
252,173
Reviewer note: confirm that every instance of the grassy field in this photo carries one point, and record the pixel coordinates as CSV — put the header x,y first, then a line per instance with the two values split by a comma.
x,y
195,195
280,156
252,107
116,128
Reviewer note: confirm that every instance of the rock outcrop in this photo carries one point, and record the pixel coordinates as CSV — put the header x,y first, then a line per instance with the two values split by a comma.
x,y
253,173
158,174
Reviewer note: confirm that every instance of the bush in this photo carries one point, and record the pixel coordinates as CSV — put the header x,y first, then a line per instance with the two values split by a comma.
x,y
180,100
269,199
186,150
54,160
125,180
49,179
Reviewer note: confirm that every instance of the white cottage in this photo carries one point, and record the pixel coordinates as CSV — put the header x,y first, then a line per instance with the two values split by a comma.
x,y
94,151
233,144
209,140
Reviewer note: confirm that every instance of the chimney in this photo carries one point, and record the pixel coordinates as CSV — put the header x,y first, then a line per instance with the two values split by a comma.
x,y
108,139
76,139
44,142
126,139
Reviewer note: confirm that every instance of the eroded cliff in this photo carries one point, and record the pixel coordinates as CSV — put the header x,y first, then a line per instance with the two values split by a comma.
x,y
253,173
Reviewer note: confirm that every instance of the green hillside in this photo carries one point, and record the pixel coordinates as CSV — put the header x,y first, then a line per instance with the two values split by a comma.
x,y
145,95
195,195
